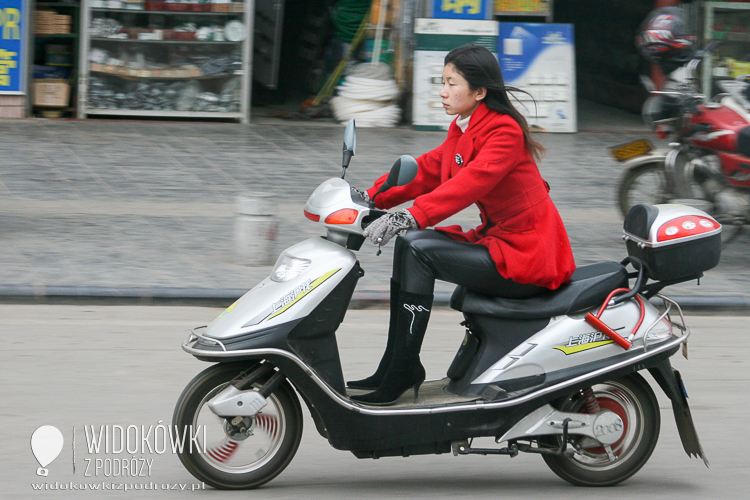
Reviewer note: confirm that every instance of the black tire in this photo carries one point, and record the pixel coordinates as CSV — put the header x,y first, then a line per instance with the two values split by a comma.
x,y
632,398
642,184
237,464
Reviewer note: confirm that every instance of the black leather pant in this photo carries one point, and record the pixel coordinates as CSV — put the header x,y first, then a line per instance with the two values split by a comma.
x,y
421,257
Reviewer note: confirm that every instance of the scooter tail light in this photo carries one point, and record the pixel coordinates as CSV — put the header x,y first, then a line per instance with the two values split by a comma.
x,y
312,217
682,227
343,216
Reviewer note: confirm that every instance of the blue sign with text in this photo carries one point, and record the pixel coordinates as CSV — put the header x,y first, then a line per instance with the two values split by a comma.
x,y
460,9
520,45
12,35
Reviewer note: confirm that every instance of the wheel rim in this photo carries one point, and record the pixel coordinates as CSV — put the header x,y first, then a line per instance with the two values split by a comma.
x,y
590,455
647,188
235,456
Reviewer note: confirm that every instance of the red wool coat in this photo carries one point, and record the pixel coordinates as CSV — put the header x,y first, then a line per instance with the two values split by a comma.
x,y
490,166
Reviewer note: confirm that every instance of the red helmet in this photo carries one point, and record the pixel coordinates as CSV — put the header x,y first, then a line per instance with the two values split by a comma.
x,y
663,35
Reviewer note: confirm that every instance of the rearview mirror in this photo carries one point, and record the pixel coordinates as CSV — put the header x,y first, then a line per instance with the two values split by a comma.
x,y
403,171
350,144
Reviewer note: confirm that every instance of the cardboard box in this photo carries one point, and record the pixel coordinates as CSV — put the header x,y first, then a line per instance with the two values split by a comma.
x,y
51,23
51,93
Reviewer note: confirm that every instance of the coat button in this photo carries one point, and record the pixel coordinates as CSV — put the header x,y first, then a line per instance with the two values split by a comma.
x,y
459,160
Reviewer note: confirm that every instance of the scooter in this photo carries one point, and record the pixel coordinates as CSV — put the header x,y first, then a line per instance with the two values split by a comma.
x,y
554,375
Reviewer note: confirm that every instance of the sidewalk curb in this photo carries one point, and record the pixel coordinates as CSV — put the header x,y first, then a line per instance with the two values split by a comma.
x,y
223,297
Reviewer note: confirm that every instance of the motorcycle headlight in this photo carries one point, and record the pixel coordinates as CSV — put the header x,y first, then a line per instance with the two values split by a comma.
x,y
288,267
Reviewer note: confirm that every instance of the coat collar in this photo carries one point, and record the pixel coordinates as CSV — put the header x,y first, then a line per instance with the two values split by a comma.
x,y
476,121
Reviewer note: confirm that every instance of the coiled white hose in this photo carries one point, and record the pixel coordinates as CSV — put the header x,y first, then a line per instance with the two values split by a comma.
x,y
367,95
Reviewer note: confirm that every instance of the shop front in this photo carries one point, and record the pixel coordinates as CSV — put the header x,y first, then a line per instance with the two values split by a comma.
x,y
196,59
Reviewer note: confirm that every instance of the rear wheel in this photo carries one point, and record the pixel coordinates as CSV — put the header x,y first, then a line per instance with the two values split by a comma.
x,y
632,399
642,184
226,459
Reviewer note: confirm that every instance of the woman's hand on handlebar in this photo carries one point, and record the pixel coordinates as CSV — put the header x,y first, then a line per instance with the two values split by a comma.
x,y
360,194
383,229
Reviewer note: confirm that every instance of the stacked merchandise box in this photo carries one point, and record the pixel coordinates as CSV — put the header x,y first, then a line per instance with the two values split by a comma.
x,y
47,22
51,93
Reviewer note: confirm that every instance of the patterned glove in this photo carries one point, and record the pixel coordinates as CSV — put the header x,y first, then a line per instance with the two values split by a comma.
x,y
361,193
388,226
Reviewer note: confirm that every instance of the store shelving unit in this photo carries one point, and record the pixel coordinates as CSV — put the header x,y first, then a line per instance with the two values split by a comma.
x,y
729,23
165,63
70,40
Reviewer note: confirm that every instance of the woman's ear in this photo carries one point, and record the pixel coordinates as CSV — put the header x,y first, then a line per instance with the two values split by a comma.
x,y
481,93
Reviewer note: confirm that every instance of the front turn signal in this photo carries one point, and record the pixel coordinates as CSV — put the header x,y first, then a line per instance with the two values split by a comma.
x,y
312,217
343,216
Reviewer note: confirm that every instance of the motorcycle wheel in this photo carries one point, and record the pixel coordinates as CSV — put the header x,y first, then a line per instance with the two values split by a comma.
x,y
643,184
633,400
237,462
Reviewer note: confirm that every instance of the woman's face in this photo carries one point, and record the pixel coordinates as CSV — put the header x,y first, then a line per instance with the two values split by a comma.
x,y
458,98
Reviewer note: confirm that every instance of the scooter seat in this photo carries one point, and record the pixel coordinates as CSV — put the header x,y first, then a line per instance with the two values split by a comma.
x,y
587,288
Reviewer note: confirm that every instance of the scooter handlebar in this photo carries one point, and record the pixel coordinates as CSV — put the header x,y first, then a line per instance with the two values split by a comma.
x,y
372,217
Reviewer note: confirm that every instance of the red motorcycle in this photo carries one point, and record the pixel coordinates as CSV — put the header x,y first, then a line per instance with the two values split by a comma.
x,y
707,162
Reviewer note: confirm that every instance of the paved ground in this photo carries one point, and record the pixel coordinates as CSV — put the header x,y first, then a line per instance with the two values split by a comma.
x,y
129,370
147,208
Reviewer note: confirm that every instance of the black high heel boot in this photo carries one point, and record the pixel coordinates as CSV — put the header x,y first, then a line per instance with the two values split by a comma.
x,y
405,370
374,380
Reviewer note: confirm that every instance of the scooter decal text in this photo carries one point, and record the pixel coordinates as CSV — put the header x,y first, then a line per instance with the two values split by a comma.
x,y
291,298
584,342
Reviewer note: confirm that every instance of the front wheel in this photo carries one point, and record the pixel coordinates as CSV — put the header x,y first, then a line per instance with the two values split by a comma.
x,y
224,458
632,399
646,183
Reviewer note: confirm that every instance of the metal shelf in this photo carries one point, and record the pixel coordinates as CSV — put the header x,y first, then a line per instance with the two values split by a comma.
x,y
167,12
58,35
136,40
174,78
141,19
164,113
55,5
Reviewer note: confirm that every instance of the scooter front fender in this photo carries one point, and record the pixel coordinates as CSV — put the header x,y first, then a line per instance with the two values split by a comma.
x,y
272,303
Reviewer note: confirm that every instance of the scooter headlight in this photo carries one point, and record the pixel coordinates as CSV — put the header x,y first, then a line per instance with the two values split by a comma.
x,y
288,267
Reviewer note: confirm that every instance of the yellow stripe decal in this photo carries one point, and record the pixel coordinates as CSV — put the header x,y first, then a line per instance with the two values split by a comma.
x,y
228,309
313,286
582,347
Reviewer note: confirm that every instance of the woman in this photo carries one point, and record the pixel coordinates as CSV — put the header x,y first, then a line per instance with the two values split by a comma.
x,y
520,249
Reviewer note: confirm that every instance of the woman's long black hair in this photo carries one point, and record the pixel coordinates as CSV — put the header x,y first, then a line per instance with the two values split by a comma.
x,y
480,68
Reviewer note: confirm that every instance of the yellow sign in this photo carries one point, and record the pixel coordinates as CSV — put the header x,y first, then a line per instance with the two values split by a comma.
x,y
631,150
461,6
540,6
